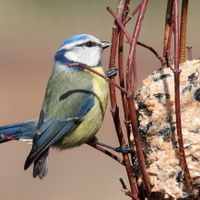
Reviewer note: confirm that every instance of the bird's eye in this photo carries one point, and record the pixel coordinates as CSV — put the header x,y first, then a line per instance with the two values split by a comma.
x,y
89,44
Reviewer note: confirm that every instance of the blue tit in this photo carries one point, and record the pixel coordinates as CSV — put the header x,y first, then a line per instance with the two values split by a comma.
x,y
74,104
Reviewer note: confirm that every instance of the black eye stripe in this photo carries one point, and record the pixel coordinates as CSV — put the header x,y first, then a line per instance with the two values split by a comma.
x,y
90,44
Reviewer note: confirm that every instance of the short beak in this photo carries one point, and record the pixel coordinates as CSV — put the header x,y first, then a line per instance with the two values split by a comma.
x,y
105,44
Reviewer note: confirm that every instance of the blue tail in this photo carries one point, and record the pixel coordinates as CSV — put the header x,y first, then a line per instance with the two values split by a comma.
x,y
23,130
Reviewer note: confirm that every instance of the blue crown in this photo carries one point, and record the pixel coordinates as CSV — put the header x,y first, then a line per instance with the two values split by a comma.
x,y
75,38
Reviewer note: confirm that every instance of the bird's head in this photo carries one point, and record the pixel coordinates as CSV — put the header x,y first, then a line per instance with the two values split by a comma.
x,y
83,48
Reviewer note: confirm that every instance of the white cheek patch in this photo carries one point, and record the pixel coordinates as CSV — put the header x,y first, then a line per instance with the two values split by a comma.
x,y
88,56
71,56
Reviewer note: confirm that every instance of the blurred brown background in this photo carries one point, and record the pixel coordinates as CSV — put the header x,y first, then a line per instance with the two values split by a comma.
x,y
30,34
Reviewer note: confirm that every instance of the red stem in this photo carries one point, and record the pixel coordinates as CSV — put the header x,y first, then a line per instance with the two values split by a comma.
x,y
120,24
132,14
183,31
131,86
122,4
108,153
168,29
128,37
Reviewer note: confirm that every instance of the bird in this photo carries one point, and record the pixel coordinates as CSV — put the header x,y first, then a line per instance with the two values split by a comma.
x,y
74,104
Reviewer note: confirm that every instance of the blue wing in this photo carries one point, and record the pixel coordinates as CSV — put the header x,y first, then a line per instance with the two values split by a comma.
x,y
51,130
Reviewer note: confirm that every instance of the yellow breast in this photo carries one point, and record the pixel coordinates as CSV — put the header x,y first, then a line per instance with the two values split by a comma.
x,y
91,123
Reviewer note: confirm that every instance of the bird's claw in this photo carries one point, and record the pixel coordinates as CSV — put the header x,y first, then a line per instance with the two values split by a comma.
x,y
111,72
124,149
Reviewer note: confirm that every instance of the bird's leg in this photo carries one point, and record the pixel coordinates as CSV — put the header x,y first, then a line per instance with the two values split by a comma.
x,y
120,149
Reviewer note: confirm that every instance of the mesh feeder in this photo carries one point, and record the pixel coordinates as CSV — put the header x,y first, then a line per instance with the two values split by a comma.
x,y
157,125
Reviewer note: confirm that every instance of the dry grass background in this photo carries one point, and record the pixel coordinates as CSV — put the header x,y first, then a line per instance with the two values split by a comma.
x,y
30,34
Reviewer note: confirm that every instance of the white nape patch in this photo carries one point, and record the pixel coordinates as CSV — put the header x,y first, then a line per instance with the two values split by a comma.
x,y
29,141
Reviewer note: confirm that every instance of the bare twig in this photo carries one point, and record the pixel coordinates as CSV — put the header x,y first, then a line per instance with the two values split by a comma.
x,y
122,6
120,24
177,98
108,153
168,28
129,193
125,104
121,70
123,184
183,31
128,37
125,189
131,77
163,62
132,13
